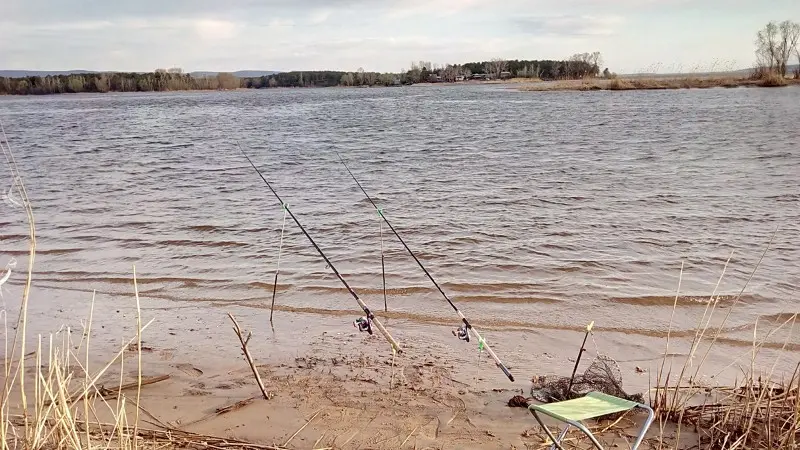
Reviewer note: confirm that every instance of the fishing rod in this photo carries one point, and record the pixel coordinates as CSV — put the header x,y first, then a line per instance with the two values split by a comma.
x,y
580,353
463,331
383,269
363,324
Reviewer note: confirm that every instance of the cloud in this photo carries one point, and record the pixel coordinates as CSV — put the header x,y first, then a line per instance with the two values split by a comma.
x,y
410,8
569,25
382,35
319,16
211,29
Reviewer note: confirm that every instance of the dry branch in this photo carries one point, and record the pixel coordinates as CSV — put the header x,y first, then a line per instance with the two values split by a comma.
x,y
247,356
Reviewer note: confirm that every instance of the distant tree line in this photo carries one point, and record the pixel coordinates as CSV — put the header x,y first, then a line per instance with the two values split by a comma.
x,y
578,66
115,82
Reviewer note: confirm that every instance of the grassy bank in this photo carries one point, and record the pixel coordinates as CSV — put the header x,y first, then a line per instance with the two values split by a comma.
x,y
655,83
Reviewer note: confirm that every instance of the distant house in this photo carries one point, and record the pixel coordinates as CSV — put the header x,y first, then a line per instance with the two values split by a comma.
x,y
433,78
505,75
460,78
480,76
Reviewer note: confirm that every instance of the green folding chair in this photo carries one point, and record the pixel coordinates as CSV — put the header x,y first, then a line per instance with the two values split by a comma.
x,y
593,404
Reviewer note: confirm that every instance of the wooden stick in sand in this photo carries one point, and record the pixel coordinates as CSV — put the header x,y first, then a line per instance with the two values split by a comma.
x,y
247,356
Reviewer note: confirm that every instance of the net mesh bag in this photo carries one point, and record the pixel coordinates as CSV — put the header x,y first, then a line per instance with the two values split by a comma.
x,y
603,375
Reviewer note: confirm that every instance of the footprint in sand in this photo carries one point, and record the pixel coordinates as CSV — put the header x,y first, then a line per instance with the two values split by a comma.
x,y
166,354
189,369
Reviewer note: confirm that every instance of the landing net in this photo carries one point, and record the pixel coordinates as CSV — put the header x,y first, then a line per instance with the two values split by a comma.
x,y
603,375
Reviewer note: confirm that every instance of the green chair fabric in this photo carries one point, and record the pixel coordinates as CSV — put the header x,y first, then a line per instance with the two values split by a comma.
x,y
593,404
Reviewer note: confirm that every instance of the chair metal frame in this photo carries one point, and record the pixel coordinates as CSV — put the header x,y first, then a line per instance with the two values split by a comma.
x,y
534,409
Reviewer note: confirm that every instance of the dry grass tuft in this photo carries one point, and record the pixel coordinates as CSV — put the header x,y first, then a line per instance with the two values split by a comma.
x,y
66,397
758,412
655,83
771,79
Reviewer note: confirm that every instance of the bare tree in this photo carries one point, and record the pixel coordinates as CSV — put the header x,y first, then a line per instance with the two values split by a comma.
x,y
450,72
347,79
496,66
797,69
766,48
227,80
360,76
596,60
789,34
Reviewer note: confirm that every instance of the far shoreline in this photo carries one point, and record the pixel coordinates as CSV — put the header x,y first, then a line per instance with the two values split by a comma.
x,y
650,83
621,83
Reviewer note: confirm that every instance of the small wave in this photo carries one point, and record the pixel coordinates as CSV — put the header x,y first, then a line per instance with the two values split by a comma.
x,y
13,237
560,233
194,243
683,300
368,291
269,286
70,277
205,228
779,317
488,287
52,251
496,299
557,247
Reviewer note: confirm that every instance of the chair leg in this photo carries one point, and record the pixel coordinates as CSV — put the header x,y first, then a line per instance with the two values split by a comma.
x,y
645,426
556,442
588,433
560,437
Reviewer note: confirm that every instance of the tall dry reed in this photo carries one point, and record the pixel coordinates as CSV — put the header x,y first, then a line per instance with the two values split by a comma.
x,y
66,408
760,411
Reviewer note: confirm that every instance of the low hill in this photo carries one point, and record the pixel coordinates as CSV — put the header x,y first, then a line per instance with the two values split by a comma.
x,y
44,73
790,69
40,73
238,73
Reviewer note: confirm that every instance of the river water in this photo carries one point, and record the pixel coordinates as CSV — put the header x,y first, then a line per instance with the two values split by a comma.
x,y
534,211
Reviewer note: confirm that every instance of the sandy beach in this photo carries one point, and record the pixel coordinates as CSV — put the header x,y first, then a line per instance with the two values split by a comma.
x,y
329,385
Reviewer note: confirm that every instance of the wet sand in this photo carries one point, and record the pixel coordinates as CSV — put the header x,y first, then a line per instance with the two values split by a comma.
x,y
320,370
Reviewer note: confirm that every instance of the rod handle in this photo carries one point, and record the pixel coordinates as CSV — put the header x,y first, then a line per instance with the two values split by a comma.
x,y
508,374
386,334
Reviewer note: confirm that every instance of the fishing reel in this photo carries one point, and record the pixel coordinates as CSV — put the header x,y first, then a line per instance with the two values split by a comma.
x,y
462,333
363,324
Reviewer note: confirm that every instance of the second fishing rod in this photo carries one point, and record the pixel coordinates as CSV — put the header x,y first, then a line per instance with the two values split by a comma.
x,y
463,332
370,317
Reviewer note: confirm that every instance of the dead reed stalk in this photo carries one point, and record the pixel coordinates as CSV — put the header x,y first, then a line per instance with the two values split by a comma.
x,y
758,412
64,412
247,356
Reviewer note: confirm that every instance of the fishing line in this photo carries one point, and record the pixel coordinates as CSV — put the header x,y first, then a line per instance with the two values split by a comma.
x,y
463,331
278,266
383,266
363,323
8,198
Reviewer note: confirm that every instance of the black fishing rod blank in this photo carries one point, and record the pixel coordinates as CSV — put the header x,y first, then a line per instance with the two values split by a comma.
x,y
363,325
383,268
580,353
463,332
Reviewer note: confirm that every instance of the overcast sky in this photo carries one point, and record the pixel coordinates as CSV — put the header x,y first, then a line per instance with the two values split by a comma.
x,y
380,35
